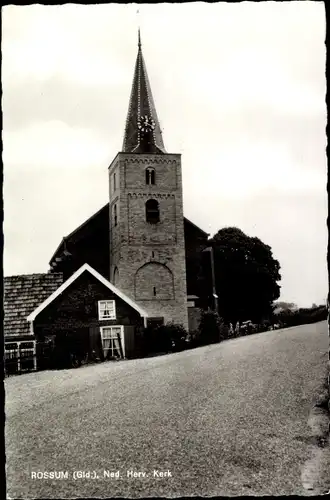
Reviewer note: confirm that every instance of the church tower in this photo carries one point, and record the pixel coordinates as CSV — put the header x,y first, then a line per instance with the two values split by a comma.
x,y
147,248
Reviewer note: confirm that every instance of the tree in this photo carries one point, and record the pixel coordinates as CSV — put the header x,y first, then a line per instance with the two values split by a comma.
x,y
286,305
283,307
246,276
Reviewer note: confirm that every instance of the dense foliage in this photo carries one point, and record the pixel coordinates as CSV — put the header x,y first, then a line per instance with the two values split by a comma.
x,y
211,330
246,276
165,338
294,317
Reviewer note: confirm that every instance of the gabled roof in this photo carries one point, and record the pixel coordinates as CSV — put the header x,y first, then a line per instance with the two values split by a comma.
x,y
76,231
141,104
105,208
188,222
22,294
99,277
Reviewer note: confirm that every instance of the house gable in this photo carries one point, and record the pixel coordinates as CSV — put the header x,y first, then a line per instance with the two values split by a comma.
x,y
115,293
76,310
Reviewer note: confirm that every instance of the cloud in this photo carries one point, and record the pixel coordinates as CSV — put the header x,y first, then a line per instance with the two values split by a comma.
x,y
240,91
55,145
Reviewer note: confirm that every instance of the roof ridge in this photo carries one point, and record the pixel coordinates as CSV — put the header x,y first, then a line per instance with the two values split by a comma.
x,y
32,274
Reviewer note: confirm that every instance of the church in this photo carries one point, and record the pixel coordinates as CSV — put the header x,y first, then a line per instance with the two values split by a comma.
x,y
130,265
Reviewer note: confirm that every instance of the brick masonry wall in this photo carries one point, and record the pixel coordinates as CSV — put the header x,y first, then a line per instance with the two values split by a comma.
x,y
134,243
165,232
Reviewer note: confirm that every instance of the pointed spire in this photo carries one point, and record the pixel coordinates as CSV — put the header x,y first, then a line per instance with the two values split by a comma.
x,y
139,40
141,104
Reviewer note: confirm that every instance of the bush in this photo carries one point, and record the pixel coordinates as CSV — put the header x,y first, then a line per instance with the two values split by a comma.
x,y
195,339
165,338
211,328
175,334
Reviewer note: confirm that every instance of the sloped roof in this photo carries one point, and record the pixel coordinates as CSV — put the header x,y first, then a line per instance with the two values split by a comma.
x,y
76,232
22,295
188,222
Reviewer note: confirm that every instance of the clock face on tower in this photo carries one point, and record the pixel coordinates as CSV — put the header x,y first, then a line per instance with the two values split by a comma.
x,y
146,124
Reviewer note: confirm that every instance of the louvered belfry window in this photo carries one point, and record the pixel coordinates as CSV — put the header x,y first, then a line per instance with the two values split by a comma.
x,y
152,211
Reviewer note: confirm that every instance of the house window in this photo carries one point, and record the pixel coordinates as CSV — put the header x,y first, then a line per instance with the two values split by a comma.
x,y
114,182
155,293
150,176
111,337
115,214
107,309
152,211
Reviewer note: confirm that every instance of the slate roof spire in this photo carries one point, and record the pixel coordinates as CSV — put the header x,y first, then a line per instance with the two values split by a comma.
x,y
141,105
139,39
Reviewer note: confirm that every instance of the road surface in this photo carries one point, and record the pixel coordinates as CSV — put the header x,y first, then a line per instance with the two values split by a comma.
x,y
227,419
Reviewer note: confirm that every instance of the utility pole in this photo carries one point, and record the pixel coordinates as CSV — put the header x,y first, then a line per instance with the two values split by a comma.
x,y
214,292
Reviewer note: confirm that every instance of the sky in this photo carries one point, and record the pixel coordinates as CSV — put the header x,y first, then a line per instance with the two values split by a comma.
x,y
239,90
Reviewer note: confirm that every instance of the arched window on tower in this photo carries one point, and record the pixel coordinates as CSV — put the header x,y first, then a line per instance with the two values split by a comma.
x,y
150,176
152,211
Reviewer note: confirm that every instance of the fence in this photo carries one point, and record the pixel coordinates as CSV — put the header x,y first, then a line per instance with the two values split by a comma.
x,y
20,357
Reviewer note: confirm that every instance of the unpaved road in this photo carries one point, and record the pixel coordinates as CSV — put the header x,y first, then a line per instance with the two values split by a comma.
x,y
227,419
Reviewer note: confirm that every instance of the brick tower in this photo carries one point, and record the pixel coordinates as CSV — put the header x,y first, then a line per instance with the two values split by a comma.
x,y
147,248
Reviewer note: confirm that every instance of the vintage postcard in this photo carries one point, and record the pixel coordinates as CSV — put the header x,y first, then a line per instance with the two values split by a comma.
x,y
165,276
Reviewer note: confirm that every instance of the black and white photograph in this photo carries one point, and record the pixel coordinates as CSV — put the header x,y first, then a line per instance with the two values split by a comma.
x,y
165,280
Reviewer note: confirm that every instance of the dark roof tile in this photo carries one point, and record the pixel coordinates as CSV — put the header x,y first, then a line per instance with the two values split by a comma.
x,y
22,295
